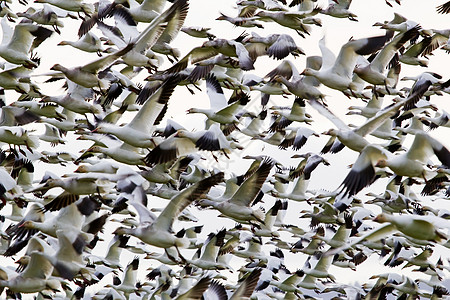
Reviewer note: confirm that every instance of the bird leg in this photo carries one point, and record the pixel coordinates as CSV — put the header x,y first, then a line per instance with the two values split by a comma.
x,y
224,153
299,33
190,90
10,19
28,147
56,29
183,260
353,93
386,87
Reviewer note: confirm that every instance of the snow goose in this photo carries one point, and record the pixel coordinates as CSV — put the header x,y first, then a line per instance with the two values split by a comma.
x,y
123,153
440,119
52,136
422,228
198,32
68,123
287,19
297,138
210,49
140,55
421,85
373,72
17,44
435,39
196,291
304,87
267,229
77,6
128,285
20,233
245,17
68,260
398,23
339,9
15,135
13,116
320,269
36,275
254,126
170,149
238,207
284,117
247,286
44,16
219,110
87,75
184,142
410,164
354,138
69,218
298,191
208,259
18,79
52,111
138,132
231,48
369,110
309,163
73,188
88,43
143,11
337,73
212,139
276,46
75,100
290,284
262,4
415,54
175,22
157,231
99,167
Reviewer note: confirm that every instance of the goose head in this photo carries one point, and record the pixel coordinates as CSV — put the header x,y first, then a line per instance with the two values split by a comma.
x,y
381,163
57,67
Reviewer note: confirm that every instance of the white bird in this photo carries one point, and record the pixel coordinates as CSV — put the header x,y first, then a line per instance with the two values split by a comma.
x,y
339,9
18,136
36,275
68,260
373,72
89,43
139,54
87,75
410,164
337,73
238,207
354,138
276,46
44,16
71,5
304,87
157,231
219,110
17,44
208,258
76,99
138,132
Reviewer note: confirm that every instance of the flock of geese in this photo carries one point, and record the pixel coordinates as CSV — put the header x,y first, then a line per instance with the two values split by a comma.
x,y
162,195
